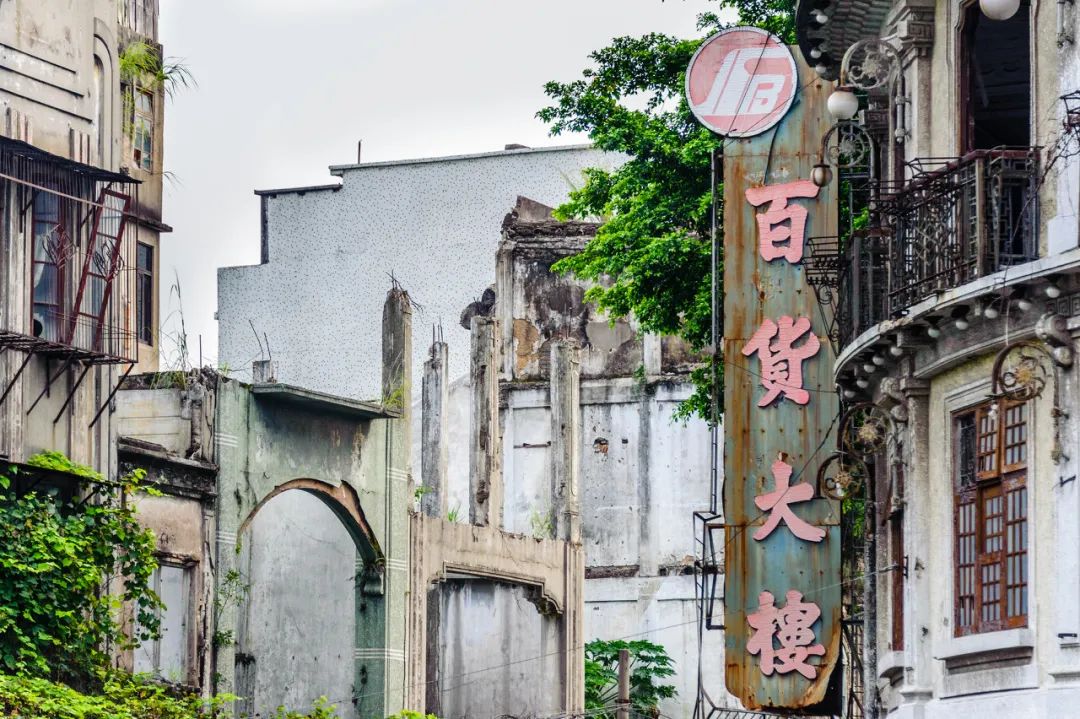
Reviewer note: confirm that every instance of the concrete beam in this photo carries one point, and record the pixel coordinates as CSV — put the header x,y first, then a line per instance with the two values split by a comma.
x,y
485,479
434,445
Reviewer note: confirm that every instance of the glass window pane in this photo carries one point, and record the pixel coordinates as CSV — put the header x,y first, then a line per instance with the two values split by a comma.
x,y
173,642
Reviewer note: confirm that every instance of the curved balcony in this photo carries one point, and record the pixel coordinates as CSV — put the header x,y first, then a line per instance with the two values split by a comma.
x,y
956,222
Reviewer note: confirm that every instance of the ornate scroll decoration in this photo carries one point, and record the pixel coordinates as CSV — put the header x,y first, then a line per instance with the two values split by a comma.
x,y
1021,371
866,430
841,475
847,145
869,64
57,245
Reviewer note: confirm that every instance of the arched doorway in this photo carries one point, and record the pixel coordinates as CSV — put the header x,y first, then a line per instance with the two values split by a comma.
x,y
304,555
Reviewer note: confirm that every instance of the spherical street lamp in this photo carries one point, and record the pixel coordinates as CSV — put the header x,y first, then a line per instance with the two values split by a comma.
x,y
999,9
843,104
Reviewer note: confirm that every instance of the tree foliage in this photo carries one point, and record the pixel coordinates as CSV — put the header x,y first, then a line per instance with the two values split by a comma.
x,y
57,562
651,256
649,666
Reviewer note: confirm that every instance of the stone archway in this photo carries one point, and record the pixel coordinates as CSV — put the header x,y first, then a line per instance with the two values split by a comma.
x,y
312,572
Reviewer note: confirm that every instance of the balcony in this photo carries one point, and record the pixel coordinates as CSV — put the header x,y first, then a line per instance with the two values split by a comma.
x,y
69,225
954,222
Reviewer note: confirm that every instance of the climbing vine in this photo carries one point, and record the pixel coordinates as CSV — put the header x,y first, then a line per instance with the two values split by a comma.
x,y
68,568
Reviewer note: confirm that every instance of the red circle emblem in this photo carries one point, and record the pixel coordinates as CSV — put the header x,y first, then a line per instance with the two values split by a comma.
x,y
741,82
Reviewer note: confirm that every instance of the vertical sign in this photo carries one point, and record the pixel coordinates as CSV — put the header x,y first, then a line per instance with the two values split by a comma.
x,y
781,584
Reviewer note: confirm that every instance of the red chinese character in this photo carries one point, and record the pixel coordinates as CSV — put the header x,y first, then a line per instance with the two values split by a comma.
x,y
776,504
779,239
781,361
791,626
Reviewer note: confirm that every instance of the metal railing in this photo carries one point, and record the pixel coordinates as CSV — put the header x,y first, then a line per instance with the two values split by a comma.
x,y
953,222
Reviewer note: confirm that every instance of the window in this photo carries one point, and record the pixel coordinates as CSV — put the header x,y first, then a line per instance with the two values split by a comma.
x,y
50,244
897,568
144,293
167,656
995,62
143,125
990,486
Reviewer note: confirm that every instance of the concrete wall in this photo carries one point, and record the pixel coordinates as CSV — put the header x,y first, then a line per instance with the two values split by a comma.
x,y
297,629
433,224
515,662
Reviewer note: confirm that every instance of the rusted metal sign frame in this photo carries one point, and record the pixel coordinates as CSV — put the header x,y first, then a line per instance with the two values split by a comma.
x,y
756,290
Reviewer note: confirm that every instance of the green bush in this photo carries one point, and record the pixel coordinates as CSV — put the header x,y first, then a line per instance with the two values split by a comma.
x,y
55,560
122,697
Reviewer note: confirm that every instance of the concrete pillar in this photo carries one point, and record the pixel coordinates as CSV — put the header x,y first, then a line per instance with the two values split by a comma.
x,y
566,441
485,478
397,394
565,398
434,446
918,652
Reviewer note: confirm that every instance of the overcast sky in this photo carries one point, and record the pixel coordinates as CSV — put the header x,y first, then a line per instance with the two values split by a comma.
x,y
287,88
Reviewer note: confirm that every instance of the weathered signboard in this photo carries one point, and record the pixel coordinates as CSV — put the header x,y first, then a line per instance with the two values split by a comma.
x,y
782,580
741,82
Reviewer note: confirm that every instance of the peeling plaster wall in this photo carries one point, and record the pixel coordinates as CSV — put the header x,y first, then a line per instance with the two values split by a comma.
x,y
297,628
431,223
643,474
516,636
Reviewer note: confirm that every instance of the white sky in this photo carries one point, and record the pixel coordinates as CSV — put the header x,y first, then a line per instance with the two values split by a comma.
x,y
287,87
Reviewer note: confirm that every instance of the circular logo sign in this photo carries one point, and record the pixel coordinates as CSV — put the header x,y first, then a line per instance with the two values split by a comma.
x,y
741,82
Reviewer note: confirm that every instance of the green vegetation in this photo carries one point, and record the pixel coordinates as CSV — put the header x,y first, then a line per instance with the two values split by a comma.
x,y
649,666
121,697
651,256
66,569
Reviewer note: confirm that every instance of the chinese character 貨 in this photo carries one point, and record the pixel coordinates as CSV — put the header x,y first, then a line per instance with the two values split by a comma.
x,y
791,626
779,239
776,504
781,361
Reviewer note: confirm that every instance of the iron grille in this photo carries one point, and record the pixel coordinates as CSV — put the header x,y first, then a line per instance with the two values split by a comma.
x,y
953,222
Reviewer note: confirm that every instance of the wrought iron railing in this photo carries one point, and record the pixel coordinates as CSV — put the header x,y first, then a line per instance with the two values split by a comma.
x,y
953,222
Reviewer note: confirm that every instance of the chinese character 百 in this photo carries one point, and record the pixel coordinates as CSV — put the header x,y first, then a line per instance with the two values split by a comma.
x,y
779,239
791,626
776,504
781,361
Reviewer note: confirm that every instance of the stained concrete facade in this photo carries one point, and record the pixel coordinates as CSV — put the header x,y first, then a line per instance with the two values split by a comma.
x,y
496,618
267,613
642,472
921,662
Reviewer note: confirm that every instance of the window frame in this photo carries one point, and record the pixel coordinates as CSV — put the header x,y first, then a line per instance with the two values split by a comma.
x,y
144,311
142,122
991,515
188,588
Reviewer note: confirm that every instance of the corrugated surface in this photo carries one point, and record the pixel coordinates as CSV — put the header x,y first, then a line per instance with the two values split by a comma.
x,y
756,290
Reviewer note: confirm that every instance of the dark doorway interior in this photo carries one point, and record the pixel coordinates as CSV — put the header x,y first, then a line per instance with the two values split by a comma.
x,y
996,57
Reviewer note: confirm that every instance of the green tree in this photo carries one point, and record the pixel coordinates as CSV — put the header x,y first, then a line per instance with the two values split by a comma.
x,y
58,560
651,256
649,665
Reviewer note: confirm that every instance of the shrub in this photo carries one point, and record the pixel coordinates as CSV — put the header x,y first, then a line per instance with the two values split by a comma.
x,y
649,663
56,559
